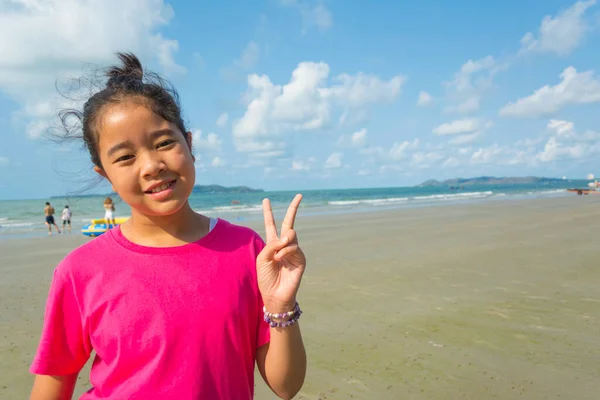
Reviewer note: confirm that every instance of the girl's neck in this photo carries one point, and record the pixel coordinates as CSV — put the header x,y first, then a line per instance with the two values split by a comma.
x,y
185,226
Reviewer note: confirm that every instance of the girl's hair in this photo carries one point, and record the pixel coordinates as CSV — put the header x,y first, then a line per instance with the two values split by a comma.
x,y
108,200
126,82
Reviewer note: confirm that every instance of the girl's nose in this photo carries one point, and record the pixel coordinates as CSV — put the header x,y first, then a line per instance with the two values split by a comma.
x,y
152,165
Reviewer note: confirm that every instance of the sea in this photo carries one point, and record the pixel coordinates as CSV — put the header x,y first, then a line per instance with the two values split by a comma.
x,y
25,218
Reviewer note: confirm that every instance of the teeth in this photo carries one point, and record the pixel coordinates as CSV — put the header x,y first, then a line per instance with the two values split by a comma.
x,y
162,187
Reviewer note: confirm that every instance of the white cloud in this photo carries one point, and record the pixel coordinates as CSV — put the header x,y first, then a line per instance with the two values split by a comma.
x,y
574,88
314,14
45,40
529,142
424,99
465,139
425,160
553,150
359,139
360,89
462,126
560,34
399,151
298,165
217,162
261,149
374,153
205,143
298,105
222,120
334,161
562,128
469,105
306,102
4,161
470,83
487,155
451,162
353,117
566,143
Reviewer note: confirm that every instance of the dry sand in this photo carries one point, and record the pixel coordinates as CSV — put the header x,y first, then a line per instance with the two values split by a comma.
x,y
480,301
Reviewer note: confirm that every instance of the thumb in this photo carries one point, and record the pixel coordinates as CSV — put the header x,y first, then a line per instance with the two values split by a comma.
x,y
273,247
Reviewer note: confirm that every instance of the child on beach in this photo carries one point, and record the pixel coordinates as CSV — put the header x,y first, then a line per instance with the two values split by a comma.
x,y
66,218
109,212
175,305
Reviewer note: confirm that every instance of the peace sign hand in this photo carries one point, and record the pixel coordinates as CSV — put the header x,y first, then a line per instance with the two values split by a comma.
x,y
281,263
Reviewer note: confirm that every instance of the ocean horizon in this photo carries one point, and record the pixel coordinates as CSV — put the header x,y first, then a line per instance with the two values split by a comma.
x,y
25,218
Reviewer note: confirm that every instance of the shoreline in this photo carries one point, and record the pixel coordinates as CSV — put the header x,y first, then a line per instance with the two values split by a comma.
x,y
254,213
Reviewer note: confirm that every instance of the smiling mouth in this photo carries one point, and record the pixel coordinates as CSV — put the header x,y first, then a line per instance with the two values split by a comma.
x,y
161,188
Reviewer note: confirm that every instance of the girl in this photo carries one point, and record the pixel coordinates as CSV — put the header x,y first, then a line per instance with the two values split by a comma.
x,y
176,305
109,212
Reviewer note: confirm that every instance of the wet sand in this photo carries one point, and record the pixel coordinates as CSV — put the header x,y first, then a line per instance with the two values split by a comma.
x,y
479,301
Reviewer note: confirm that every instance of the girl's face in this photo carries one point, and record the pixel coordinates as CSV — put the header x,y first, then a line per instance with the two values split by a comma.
x,y
147,159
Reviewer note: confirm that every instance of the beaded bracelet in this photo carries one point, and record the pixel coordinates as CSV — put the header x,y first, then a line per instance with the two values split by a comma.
x,y
282,315
293,316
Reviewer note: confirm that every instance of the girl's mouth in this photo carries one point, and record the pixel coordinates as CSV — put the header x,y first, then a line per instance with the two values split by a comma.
x,y
162,190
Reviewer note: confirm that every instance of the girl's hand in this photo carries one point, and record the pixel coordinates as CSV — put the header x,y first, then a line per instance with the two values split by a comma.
x,y
281,263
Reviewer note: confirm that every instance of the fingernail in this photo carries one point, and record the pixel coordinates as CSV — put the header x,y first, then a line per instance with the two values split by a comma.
x,y
283,239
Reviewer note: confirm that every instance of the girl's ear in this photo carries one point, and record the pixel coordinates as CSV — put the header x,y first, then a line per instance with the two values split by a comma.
x,y
100,172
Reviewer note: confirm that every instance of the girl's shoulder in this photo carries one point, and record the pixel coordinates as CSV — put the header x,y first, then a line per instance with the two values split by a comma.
x,y
86,257
237,230
237,235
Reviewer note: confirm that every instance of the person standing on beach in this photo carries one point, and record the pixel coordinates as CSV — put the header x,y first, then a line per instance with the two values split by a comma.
x,y
174,304
66,218
49,213
109,212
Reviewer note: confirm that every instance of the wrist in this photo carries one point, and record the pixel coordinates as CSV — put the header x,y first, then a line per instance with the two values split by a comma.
x,y
279,307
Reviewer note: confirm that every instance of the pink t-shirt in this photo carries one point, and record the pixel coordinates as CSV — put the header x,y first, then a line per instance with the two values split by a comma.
x,y
165,323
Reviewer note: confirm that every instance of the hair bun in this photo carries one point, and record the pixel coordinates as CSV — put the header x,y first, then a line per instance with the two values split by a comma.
x,y
129,71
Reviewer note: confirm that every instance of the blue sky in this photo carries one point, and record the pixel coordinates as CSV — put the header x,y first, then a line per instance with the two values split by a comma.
x,y
301,94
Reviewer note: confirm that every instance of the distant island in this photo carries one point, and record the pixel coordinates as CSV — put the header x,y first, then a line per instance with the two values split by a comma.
x,y
490,180
223,189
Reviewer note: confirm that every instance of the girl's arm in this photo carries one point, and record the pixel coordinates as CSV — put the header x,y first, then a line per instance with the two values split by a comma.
x,y
282,362
279,267
46,387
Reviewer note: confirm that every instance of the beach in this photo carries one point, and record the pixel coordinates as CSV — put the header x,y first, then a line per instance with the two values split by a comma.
x,y
497,299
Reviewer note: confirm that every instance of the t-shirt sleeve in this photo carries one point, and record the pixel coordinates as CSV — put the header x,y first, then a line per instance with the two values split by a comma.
x,y
64,346
264,330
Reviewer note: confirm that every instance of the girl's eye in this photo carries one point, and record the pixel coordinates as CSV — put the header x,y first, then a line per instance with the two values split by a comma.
x,y
165,143
123,158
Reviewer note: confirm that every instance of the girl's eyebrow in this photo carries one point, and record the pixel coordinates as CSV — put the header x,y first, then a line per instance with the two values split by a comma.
x,y
161,132
117,147
153,136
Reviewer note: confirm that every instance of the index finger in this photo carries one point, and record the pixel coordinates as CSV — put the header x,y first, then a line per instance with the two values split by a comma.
x,y
270,228
290,216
